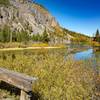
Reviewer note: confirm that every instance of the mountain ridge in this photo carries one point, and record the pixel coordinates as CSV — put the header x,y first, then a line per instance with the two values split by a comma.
x,y
26,15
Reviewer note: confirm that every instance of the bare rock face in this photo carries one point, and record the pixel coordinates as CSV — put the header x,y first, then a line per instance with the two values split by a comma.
x,y
25,15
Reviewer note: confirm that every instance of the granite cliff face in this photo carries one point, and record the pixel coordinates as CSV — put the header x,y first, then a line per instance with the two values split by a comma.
x,y
25,15
33,18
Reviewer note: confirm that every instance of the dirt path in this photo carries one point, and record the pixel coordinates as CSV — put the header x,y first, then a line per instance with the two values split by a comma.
x,y
28,48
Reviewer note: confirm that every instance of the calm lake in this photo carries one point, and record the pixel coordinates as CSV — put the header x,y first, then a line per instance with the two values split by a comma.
x,y
87,54
83,55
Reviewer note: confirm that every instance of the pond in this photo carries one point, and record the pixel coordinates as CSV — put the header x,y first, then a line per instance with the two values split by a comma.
x,y
92,54
83,55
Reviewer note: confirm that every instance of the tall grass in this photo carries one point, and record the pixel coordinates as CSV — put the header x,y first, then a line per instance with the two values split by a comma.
x,y
58,78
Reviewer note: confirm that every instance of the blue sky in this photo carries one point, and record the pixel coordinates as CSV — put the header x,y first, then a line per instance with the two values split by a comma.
x,y
76,15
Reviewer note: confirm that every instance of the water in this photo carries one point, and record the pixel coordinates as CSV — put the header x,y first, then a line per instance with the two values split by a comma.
x,y
90,54
83,55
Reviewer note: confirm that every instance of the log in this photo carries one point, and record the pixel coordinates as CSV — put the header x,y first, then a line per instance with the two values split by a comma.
x,y
24,96
21,81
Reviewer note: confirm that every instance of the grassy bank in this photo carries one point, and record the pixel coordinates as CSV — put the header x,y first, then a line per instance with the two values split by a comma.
x,y
60,78
29,44
94,43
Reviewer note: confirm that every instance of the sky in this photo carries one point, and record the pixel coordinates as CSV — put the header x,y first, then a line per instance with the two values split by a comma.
x,y
77,15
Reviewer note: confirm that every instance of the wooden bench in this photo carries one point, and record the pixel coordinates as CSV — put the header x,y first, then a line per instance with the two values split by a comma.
x,y
18,80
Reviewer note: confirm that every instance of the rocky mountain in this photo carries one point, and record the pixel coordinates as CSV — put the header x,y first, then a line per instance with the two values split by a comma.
x,y
33,18
23,14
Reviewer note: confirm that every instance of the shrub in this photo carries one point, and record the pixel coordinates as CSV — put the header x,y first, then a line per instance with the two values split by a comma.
x,y
4,2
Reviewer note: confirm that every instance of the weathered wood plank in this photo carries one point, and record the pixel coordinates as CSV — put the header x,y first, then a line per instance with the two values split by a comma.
x,y
24,96
21,81
17,74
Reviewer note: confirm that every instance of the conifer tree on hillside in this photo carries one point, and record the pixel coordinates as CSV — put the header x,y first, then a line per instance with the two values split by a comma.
x,y
97,36
4,2
5,34
45,37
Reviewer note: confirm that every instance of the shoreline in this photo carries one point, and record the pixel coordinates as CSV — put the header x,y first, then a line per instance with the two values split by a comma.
x,y
28,48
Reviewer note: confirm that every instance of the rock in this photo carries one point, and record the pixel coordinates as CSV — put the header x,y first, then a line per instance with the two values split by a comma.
x,y
31,17
25,15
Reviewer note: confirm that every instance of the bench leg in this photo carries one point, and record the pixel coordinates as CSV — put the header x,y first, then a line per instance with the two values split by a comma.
x,y
24,96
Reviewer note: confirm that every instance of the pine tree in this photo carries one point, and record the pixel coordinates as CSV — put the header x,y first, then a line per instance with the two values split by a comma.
x,y
45,37
97,36
22,36
4,2
5,34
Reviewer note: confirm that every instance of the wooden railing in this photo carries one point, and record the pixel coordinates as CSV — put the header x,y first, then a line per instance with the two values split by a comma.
x,y
18,80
